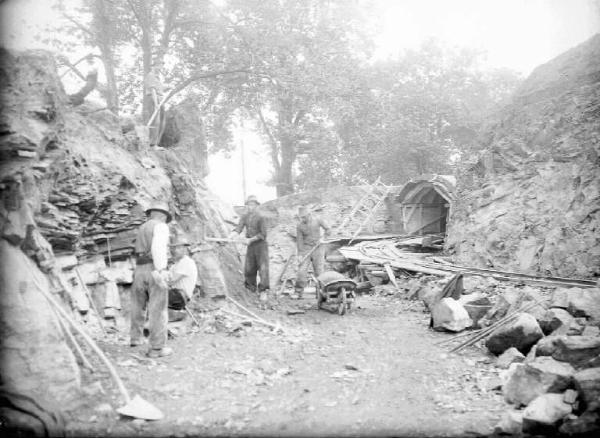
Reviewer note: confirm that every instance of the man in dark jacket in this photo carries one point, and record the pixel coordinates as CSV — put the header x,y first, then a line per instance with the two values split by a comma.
x,y
257,252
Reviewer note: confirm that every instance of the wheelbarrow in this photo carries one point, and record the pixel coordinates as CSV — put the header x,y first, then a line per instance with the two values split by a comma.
x,y
335,291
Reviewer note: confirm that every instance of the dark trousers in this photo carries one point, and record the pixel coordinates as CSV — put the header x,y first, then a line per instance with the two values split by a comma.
x,y
257,261
177,299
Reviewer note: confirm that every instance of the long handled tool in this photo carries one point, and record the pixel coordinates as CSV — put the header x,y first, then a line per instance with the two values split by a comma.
x,y
89,297
192,316
134,407
76,346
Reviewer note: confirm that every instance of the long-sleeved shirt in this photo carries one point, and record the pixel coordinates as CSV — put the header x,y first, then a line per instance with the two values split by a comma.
x,y
256,225
184,274
153,241
308,234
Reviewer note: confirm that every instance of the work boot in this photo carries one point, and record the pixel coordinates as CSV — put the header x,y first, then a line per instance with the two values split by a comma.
x,y
263,298
162,352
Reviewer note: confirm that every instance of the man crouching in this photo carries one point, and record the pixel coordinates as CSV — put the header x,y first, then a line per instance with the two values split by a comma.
x,y
183,277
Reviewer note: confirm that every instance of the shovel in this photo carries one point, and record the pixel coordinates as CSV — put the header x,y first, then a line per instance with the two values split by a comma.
x,y
135,407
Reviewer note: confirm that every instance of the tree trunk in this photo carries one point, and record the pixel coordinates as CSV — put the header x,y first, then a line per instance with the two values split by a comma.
x,y
106,49
283,177
145,19
112,94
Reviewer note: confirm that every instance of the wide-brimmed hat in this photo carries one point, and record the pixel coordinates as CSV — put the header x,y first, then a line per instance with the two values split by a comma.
x,y
252,198
162,207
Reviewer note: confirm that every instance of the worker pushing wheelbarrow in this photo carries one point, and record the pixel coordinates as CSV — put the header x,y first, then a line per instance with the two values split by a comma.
x,y
335,291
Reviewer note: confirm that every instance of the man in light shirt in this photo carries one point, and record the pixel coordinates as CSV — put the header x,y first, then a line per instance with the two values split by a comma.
x,y
183,276
149,281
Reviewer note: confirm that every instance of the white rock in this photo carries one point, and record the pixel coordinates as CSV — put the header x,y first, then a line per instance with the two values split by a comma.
x,y
450,315
545,410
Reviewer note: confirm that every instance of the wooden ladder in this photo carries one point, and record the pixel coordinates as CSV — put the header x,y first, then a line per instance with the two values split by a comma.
x,y
363,210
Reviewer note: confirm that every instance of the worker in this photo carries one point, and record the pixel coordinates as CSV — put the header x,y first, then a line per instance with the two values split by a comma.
x,y
154,90
308,238
257,251
150,281
182,279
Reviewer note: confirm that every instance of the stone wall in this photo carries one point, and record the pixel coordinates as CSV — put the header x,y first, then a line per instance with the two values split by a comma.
x,y
530,202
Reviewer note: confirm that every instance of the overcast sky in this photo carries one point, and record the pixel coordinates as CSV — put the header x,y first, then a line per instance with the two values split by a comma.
x,y
518,34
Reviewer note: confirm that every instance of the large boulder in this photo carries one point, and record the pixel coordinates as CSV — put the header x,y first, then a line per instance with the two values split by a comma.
x,y
547,345
528,202
545,412
532,379
586,425
510,356
522,333
587,383
577,350
511,423
555,319
448,314
584,302
513,300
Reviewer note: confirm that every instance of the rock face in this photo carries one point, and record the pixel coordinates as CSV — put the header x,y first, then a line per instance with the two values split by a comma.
x,y
522,333
35,358
93,183
85,187
529,203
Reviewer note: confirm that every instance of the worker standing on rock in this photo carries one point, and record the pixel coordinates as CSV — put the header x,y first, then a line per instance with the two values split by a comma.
x,y
257,252
150,281
308,238
183,275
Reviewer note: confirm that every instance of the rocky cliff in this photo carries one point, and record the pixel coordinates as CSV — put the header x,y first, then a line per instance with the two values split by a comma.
x,y
531,202
74,189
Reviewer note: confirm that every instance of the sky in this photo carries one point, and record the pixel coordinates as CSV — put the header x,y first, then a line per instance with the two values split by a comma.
x,y
517,34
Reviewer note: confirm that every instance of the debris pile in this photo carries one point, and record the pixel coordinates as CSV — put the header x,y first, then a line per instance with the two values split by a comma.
x,y
553,365
530,202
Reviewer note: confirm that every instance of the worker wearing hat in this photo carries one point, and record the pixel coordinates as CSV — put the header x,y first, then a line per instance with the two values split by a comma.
x,y
182,278
150,281
257,251
310,249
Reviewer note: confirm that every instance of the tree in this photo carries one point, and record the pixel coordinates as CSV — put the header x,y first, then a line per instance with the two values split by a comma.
x,y
416,114
300,50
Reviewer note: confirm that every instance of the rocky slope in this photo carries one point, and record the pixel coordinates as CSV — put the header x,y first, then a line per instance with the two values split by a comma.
x,y
531,203
71,178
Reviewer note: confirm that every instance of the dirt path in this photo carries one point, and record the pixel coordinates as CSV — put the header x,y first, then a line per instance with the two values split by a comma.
x,y
374,371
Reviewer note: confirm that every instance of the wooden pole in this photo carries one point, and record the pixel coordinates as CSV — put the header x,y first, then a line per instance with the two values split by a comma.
x,y
89,296
89,341
249,312
71,338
